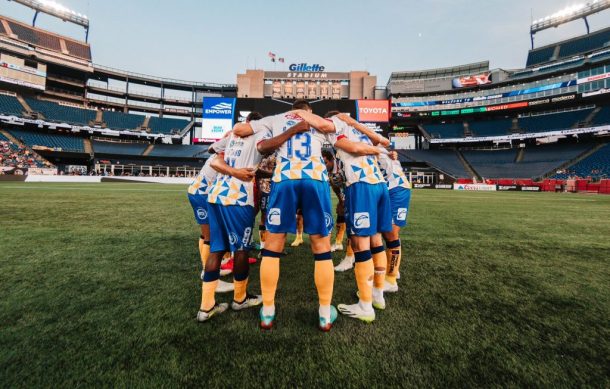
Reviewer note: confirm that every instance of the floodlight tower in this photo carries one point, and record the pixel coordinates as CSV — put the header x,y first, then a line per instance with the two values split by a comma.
x,y
53,8
568,14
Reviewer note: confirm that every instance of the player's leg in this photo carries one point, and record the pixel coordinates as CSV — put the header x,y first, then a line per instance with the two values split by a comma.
x,y
317,223
298,240
393,255
280,220
347,262
364,272
341,227
380,263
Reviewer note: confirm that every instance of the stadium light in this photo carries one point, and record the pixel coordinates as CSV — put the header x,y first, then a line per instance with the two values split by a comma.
x,y
568,14
60,11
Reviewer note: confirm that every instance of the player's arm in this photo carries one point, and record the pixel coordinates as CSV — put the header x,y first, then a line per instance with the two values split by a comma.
x,y
372,135
243,129
270,145
357,148
243,174
320,124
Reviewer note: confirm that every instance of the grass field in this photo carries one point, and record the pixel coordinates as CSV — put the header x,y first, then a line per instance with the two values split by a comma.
x,y
99,286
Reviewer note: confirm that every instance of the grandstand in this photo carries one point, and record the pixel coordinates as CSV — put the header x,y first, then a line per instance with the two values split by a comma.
x,y
9,105
579,45
62,113
596,165
166,125
122,121
65,143
118,148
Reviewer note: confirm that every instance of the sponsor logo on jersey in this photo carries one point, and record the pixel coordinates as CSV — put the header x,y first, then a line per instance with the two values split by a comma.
x,y
202,213
362,220
328,219
233,238
401,214
274,216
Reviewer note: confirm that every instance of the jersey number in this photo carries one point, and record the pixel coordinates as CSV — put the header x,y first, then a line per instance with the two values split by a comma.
x,y
299,146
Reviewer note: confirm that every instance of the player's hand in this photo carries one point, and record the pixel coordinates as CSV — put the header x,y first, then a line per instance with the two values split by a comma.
x,y
244,174
372,150
385,142
301,126
393,155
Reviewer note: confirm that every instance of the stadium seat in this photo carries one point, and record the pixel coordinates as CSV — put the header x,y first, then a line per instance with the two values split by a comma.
x,y
586,43
602,117
448,130
166,125
541,55
179,151
61,113
490,127
9,105
555,121
596,165
56,141
122,121
444,160
102,147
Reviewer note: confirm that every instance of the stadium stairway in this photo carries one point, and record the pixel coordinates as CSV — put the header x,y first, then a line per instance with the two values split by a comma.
x,y
592,116
27,107
520,155
467,165
149,148
574,161
99,118
145,124
10,137
16,141
87,146
424,132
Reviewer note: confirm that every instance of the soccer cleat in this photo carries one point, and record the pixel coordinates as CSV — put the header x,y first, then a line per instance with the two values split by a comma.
x,y
336,247
251,260
389,287
378,301
267,321
216,310
224,287
227,267
249,301
325,325
297,241
357,312
346,264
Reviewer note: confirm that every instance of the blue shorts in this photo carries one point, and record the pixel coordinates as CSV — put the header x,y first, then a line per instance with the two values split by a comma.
x,y
311,196
367,209
400,199
199,202
264,201
230,227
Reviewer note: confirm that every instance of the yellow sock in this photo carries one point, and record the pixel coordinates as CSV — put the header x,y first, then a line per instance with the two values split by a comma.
x,y
207,295
340,233
270,274
299,227
364,279
379,262
239,291
324,276
393,257
350,251
204,251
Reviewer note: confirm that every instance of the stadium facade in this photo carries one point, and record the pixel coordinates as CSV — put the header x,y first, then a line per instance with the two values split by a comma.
x,y
458,124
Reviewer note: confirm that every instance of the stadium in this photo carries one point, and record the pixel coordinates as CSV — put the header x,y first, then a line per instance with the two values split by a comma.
x,y
99,257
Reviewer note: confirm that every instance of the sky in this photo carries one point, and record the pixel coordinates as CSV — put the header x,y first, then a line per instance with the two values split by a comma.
x,y
213,41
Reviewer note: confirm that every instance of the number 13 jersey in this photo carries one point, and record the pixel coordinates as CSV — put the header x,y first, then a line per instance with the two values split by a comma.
x,y
300,157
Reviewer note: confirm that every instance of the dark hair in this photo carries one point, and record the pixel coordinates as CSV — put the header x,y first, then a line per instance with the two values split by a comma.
x,y
327,154
301,104
331,114
253,116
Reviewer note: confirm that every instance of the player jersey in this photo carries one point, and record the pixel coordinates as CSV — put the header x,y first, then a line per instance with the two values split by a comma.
x,y
300,157
240,153
207,175
357,168
392,171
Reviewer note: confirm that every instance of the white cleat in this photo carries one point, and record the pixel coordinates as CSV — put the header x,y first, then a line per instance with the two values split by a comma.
x,y
378,301
336,247
357,312
224,287
398,276
249,301
216,310
390,288
346,264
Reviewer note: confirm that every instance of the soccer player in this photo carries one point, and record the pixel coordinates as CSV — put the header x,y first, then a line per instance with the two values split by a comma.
x,y
263,183
299,181
198,197
337,183
400,197
368,213
231,215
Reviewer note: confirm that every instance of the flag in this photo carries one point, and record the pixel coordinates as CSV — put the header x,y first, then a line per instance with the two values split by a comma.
x,y
271,55
281,60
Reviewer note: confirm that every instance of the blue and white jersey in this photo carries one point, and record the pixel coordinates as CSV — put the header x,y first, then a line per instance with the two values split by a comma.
x,y
300,157
201,184
392,171
357,168
239,153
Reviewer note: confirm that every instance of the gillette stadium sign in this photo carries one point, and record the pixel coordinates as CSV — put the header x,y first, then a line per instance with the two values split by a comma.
x,y
303,67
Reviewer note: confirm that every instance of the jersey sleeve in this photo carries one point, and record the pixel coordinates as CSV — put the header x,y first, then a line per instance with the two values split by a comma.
x,y
263,125
340,130
221,145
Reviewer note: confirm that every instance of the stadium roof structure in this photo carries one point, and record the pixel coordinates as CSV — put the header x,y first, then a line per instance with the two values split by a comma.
x,y
53,8
472,68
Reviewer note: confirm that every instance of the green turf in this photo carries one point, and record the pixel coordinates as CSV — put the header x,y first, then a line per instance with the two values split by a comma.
x,y
98,286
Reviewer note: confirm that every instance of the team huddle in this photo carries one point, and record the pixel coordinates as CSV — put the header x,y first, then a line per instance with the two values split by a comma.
x,y
294,196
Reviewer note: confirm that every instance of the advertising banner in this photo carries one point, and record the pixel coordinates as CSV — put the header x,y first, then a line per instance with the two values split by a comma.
x,y
478,187
472,80
373,111
217,117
